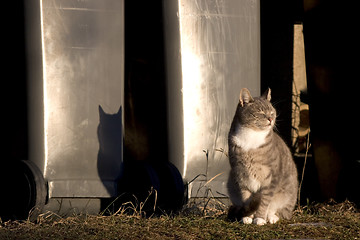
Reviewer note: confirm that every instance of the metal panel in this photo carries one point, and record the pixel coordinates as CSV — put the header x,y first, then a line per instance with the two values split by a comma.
x,y
212,51
76,68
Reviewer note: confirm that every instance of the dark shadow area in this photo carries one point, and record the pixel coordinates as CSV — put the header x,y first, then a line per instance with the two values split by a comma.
x,y
331,49
23,191
14,86
148,178
145,85
110,136
148,189
14,147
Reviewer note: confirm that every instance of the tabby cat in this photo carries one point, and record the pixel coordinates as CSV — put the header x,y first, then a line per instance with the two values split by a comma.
x,y
263,180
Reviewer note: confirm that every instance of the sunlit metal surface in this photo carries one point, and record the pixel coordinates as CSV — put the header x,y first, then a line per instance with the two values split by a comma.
x,y
212,51
75,59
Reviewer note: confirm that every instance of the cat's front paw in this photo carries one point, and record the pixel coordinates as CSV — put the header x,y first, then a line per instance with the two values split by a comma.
x,y
259,221
246,220
273,219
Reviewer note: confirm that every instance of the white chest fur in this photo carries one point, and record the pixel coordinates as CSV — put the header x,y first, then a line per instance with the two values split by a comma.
x,y
248,139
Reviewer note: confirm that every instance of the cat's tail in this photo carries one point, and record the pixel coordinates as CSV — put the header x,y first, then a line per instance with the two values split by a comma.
x,y
236,213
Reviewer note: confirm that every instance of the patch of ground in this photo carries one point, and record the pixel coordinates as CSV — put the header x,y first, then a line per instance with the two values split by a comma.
x,y
317,221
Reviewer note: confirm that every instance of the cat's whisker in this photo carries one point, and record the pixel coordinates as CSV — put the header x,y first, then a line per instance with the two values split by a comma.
x,y
275,103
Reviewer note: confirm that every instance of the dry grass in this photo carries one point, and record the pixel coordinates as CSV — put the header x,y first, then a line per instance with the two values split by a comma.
x,y
325,221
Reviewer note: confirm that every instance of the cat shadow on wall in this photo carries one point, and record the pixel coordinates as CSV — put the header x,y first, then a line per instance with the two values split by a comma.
x,y
110,136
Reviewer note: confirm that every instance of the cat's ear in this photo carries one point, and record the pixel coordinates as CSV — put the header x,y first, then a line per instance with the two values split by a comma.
x,y
245,97
267,94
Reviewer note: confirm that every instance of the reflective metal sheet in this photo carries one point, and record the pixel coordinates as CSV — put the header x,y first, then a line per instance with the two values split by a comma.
x,y
77,68
212,51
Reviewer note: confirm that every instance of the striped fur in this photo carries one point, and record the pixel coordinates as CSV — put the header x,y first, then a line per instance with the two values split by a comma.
x,y
263,179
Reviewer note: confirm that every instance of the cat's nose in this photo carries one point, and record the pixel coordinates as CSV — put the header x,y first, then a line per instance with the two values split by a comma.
x,y
270,120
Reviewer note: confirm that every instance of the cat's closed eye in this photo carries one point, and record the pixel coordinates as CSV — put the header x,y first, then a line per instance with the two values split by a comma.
x,y
261,114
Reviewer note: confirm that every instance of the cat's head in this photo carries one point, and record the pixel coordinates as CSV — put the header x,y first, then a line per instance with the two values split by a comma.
x,y
256,113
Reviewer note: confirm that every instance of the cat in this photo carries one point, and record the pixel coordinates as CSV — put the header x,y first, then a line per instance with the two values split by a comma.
x,y
263,180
